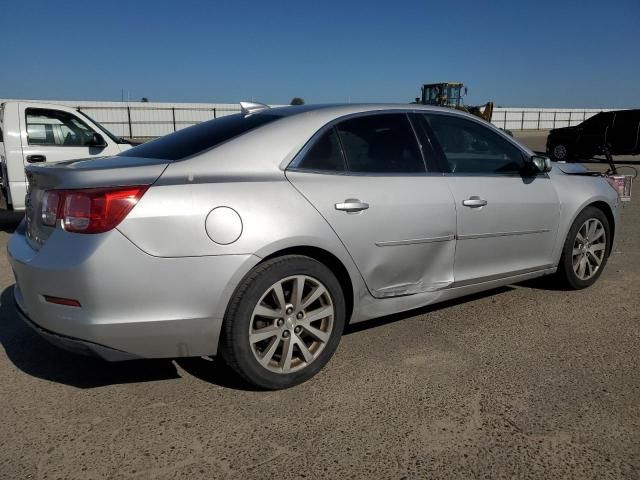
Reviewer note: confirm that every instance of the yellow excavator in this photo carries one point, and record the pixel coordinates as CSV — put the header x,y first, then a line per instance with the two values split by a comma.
x,y
449,94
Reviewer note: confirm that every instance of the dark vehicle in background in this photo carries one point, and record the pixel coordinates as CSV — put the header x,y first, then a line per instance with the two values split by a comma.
x,y
617,130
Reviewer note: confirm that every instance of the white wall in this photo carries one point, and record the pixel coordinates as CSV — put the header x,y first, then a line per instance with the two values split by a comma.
x,y
541,118
154,119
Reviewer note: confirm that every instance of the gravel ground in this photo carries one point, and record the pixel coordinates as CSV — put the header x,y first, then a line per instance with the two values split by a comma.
x,y
525,381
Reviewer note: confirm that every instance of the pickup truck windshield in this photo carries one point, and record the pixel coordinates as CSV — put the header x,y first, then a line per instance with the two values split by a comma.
x,y
102,129
198,138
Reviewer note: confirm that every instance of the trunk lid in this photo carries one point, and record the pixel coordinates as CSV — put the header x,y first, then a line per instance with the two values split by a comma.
x,y
74,174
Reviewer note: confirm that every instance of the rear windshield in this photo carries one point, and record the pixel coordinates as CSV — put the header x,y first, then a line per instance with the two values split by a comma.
x,y
198,138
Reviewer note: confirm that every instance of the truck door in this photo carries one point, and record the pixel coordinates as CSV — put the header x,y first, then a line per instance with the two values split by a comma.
x,y
593,134
624,132
50,135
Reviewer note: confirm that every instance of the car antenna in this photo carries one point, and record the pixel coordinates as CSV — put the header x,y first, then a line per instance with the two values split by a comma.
x,y
247,108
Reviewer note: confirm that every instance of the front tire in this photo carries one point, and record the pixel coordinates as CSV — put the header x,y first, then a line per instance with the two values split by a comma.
x,y
586,249
283,323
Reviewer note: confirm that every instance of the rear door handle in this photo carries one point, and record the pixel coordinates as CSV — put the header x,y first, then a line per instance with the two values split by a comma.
x,y
474,202
36,158
352,205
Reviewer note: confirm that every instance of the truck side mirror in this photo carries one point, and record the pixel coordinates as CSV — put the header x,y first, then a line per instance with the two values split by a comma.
x,y
97,141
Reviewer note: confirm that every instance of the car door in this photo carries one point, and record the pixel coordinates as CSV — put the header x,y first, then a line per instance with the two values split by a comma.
x,y
50,135
507,221
366,175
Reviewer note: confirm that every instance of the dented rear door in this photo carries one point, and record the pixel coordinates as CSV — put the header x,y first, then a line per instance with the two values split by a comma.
x,y
404,242
397,221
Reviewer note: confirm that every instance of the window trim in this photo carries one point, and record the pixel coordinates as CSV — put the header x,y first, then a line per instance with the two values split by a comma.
x,y
443,159
297,159
26,129
423,130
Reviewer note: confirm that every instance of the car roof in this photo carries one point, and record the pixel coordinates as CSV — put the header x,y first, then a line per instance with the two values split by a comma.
x,y
341,109
315,116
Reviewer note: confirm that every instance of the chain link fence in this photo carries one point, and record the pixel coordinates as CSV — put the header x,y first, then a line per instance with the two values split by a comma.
x,y
143,122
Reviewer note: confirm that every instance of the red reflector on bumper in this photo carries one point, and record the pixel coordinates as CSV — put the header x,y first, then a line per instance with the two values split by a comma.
x,y
68,302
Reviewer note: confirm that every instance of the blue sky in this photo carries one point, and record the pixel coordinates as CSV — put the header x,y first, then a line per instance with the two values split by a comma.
x,y
517,53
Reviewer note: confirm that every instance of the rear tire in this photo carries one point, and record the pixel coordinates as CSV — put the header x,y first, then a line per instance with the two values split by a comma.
x,y
283,323
586,249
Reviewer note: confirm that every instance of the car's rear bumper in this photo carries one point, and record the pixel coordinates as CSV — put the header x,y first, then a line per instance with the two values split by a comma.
x,y
74,345
132,305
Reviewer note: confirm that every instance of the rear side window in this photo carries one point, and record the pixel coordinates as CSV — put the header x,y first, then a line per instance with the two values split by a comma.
x,y
380,144
325,154
198,138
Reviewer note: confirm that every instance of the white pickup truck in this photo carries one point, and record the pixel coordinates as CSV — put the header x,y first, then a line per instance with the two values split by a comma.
x,y
33,132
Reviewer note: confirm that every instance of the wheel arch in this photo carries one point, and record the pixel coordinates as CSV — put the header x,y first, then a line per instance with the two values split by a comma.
x,y
608,212
332,262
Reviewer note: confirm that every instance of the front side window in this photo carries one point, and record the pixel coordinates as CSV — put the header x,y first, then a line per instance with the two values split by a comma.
x,y
380,144
470,147
55,127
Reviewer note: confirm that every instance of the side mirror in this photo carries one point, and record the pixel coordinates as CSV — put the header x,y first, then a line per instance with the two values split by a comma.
x,y
540,164
97,141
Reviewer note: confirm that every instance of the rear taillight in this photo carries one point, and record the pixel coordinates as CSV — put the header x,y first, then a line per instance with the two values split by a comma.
x,y
90,210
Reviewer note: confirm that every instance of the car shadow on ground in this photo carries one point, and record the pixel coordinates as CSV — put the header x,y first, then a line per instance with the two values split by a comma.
x,y
387,319
36,357
549,283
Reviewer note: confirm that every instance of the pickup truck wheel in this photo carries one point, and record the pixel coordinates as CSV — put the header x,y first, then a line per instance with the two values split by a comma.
x,y
283,323
586,249
560,152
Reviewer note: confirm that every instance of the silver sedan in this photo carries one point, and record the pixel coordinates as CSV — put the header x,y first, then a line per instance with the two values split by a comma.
x,y
258,236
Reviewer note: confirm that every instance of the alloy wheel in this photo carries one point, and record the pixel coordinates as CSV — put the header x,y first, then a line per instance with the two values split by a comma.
x,y
560,152
589,248
291,324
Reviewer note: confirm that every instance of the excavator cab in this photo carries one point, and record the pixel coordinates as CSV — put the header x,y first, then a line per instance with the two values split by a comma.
x,y
443,94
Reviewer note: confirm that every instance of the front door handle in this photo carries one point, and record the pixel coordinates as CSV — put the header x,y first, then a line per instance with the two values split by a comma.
x,y
36,158
474,202
352,205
